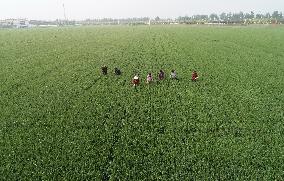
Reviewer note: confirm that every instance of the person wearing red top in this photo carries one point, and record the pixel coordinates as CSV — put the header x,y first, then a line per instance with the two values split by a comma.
x,y
135,81
194,76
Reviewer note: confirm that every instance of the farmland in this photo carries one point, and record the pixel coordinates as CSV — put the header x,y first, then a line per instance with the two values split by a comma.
x,y
60,119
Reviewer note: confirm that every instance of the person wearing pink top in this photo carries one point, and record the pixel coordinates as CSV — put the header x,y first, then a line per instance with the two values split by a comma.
x,y
149,78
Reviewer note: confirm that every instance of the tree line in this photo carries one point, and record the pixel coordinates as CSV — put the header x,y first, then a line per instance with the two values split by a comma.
x,y
224,18
239,18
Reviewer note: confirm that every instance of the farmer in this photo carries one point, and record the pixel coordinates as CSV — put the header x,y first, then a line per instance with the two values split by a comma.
x,y
149,78
173,74
161,75
104,70
117,71
194,76
135,81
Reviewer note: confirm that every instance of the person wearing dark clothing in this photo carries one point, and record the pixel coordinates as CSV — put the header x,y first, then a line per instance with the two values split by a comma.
x,y
117,71
104,70
161,75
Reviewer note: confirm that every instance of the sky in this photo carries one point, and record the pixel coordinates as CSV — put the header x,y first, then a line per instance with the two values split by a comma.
x,y
83,9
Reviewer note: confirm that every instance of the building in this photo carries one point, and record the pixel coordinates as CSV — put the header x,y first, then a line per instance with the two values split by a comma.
x,y
15,23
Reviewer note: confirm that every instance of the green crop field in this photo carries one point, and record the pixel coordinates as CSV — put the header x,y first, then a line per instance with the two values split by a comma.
x,y
60,119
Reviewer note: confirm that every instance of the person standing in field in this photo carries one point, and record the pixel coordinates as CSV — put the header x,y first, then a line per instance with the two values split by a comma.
x,y
135,81
149,78
194,76
161,75
104,70
117,71
173,74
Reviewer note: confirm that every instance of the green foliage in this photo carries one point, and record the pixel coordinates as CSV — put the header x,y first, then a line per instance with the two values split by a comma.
x,y
60,119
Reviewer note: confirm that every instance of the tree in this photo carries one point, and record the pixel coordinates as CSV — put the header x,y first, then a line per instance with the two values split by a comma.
x,y
259,16
157,18
247,16
229,17
251,15
184,19
238,17
223,17
180,19
242,15
214,17
267,15
277,15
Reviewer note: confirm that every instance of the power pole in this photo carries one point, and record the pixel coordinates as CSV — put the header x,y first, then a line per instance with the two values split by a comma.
x,y
65,19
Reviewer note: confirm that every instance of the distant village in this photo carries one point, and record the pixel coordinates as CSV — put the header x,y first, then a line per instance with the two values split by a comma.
x,y
212,19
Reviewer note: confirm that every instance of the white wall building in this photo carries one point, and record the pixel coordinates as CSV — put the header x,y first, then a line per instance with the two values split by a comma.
x,y
15,23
